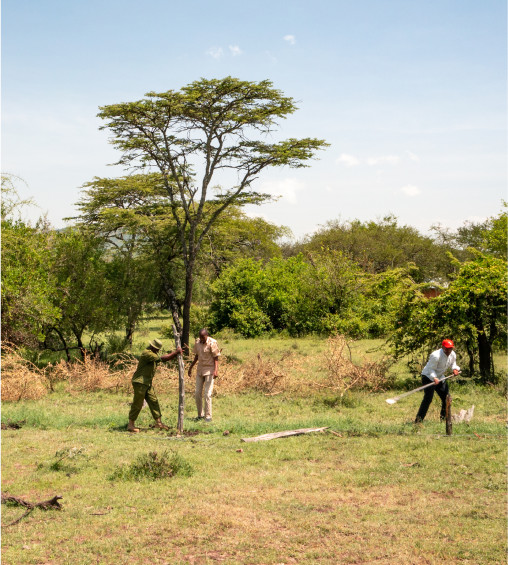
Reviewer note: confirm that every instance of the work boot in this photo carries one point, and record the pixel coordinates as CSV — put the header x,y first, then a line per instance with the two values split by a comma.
x,y
159,425
132,428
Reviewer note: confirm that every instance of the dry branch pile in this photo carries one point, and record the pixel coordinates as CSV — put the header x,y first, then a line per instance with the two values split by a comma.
x,y
265,375
92,374
344,375
21,380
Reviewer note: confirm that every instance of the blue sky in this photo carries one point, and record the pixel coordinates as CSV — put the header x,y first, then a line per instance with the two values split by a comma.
x,y
410,94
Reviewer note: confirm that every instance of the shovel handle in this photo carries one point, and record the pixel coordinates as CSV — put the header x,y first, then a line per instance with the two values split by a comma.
x,y
394,400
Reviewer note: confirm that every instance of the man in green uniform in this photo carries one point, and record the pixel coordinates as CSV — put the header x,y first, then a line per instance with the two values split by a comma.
x,y
142,384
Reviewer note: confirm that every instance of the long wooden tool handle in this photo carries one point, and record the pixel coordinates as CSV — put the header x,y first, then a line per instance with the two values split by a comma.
x,y
393,400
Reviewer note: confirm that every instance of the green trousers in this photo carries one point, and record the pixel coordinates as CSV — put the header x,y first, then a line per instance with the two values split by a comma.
x,y
144,392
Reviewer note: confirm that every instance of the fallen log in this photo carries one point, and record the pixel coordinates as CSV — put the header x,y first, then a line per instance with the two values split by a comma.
x,y
276,435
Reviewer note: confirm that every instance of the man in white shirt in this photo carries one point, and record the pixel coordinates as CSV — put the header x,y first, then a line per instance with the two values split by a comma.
x,y
439,361
206,354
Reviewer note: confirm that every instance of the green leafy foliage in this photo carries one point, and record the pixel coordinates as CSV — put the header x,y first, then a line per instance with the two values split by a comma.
x,y
471,310
325,293
26,266
489,237
82,293
381,245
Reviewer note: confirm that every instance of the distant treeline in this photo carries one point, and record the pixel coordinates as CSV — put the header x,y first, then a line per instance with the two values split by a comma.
x,y
122,260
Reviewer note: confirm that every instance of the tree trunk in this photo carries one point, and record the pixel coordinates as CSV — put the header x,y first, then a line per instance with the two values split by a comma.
x,y
79,338
129,332
485,357
189,282
64,343
470,352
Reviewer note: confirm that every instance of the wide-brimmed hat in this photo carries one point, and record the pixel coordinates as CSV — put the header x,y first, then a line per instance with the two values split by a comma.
x,y
156,344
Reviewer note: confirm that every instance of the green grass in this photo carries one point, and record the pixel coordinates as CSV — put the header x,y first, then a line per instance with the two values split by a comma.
x,y
382,491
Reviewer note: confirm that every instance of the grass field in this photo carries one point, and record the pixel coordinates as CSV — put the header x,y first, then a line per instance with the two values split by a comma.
x,y
379,490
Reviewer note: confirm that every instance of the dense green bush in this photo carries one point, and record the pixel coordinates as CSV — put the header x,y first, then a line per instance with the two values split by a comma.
x,y
324,293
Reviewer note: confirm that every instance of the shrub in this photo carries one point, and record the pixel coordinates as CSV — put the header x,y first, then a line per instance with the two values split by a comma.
x,y
154,466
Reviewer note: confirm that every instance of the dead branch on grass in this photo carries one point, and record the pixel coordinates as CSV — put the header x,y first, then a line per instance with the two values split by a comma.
x,y
51,504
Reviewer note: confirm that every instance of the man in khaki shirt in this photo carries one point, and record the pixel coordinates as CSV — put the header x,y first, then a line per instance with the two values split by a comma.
x,y
206,354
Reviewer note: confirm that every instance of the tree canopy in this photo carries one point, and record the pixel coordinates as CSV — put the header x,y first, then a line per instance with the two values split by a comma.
x,y
210,128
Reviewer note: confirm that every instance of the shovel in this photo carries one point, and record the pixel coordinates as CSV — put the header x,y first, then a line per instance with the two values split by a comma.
x,y
397,398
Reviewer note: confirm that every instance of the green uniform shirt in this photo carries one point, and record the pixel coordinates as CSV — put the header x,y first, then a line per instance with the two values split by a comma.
x,y
147,365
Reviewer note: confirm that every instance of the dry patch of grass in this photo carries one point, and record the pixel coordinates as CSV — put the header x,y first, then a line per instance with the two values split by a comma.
x,y
315,499
290,371
331,369
21,380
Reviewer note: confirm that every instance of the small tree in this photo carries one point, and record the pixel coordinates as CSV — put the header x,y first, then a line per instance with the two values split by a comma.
x,y
82,292
472,310
132,215
209,127
26,264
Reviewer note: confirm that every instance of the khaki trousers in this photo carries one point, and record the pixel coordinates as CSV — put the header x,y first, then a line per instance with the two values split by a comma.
x,y
204,382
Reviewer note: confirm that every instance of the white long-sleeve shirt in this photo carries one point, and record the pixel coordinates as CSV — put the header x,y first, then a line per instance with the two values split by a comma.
x,y
438,363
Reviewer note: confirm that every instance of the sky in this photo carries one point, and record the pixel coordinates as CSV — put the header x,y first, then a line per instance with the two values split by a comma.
x,y
410,95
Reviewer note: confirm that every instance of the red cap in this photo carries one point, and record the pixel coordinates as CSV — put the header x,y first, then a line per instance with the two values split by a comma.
x,y
448,343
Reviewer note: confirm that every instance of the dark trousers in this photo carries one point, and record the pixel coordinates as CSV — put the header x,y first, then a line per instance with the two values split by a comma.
x,y
428,395
144,392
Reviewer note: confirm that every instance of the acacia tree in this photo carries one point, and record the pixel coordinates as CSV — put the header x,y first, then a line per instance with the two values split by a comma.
x,y
132,215
195,138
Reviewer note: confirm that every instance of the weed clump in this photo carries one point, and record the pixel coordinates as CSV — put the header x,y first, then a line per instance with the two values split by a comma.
x,y
63,457
153,466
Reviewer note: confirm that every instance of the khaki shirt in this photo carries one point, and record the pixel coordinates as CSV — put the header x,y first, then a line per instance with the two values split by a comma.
x,y
206,353
147,365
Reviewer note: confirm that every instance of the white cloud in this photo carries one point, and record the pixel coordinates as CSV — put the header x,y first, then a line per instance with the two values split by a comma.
x,y
348,160
215,52
235,50
412,156
383,160
291,39
410,190
287,188
273,59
